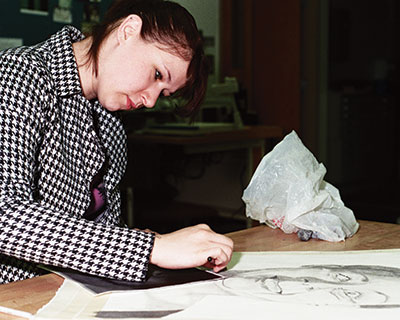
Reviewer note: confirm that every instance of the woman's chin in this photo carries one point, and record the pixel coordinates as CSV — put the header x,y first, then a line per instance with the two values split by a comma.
x,y
112,107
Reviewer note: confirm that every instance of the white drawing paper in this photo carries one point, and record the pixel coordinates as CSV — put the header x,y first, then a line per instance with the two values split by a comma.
x,y
352,285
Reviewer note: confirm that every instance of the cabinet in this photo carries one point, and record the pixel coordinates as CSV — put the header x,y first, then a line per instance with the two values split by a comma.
x,y
363,150
362,139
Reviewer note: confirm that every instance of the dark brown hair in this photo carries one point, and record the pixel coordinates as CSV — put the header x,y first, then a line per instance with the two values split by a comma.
x,y
171,26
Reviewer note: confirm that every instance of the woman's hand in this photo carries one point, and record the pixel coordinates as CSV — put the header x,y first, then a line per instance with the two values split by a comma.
x,y
191,247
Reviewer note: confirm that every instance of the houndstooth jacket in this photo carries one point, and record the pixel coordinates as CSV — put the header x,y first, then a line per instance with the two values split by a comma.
x,y
53,141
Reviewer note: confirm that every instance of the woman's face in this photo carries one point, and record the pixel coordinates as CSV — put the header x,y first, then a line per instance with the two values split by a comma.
x,y
133,73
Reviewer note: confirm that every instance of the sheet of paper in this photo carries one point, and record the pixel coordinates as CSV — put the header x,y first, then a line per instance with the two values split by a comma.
x,y
71,301
350,283
239,308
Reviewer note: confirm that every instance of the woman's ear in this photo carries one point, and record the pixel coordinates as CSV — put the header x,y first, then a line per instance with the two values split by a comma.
x,y
130,26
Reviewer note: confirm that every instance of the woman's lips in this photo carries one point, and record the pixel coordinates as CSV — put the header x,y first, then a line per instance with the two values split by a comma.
x,y
130,104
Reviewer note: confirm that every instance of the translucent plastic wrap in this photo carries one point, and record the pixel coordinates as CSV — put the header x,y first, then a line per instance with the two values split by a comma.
x,y
287,191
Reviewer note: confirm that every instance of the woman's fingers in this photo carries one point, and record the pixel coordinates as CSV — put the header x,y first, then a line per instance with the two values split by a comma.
x,y
219,250
218,258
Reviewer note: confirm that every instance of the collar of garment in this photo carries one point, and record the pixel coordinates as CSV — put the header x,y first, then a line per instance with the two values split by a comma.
x,y
62,61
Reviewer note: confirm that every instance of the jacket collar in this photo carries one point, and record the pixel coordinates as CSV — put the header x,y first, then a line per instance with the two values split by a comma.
x,y
63,65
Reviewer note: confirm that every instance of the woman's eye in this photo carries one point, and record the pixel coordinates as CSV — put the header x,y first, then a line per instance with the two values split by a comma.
x,y
158,75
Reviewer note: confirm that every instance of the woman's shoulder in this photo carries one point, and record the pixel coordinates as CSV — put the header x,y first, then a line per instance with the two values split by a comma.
x,y
23,62
43,59
25,84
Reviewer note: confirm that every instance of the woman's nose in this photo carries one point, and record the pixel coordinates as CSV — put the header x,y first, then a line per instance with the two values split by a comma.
x,y
150,97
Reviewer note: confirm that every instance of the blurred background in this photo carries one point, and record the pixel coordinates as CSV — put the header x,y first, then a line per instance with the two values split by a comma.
x,y
328,69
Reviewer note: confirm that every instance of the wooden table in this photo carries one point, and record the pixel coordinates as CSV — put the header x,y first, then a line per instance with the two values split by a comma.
x,y
30,295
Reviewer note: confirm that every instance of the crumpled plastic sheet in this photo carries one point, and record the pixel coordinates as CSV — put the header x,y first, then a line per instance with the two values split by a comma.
x,y
287,191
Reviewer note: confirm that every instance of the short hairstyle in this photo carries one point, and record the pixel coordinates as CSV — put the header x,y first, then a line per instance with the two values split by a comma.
x,y
175,29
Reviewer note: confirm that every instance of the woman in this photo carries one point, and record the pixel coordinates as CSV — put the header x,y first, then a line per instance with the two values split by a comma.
x,y
63,149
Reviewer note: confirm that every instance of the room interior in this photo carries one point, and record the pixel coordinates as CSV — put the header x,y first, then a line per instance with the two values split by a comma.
x,y
326,69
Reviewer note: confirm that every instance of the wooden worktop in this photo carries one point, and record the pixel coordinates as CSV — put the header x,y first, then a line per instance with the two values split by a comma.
x,y
30,295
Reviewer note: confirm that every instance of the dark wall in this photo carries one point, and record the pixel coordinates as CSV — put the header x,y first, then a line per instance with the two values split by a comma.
x,y
364,117
36,28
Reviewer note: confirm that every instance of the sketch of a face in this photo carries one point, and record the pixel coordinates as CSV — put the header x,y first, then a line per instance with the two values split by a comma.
x,y
363,286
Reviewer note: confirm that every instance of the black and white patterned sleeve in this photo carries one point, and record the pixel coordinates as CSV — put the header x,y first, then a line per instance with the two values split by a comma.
x,y
31,230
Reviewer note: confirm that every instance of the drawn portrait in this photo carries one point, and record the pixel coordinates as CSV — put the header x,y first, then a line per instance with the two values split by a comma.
x,y
365,286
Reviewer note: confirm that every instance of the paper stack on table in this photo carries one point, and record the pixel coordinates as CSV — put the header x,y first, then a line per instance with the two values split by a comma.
x,y
352,284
